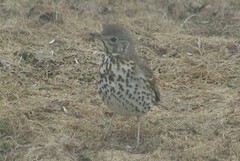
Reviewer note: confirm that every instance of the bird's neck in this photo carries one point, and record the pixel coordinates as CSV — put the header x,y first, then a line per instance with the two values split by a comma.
x,y
128,54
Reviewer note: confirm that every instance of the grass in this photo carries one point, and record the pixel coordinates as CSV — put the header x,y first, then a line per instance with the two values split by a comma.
x,y
49,105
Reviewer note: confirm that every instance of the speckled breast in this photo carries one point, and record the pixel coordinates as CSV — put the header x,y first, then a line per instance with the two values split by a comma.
x,y
123,87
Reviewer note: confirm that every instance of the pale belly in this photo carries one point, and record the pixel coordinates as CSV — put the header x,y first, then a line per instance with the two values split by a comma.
x,y
124,92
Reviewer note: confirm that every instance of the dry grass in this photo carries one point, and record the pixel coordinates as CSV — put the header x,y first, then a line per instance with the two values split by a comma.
x,y
49,106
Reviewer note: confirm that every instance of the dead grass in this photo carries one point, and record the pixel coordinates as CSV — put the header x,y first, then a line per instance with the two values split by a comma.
x,y
49,106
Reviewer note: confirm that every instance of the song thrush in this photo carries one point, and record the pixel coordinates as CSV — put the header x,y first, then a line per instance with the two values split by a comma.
x,y
126,84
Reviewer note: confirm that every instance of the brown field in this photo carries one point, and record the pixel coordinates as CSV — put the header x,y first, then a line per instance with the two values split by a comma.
x,y
50,108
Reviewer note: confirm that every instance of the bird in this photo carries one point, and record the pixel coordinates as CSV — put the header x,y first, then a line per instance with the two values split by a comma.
x,y
125,82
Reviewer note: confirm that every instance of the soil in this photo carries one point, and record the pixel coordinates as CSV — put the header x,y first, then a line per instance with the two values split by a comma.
x,y
49,105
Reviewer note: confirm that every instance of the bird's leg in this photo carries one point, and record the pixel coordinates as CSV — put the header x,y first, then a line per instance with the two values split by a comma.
x,y
138,131
108,127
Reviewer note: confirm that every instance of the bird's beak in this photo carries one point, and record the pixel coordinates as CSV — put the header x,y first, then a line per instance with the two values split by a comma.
x,y
96,35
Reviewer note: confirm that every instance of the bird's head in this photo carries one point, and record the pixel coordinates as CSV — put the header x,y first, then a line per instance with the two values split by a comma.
x,y
116,40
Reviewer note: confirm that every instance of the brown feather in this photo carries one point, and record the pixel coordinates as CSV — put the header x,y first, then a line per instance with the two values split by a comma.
x,y
150,78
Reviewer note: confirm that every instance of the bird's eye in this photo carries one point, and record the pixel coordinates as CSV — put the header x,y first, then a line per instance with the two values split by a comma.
x,y
114,39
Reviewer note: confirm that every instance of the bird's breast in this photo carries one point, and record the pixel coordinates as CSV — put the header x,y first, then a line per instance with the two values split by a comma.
x,y
122,88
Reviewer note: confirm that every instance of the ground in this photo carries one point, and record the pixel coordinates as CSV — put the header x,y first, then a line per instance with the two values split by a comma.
x,y
50,108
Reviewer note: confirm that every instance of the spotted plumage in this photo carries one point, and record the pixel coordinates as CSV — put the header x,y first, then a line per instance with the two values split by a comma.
x,y
126,84
126,93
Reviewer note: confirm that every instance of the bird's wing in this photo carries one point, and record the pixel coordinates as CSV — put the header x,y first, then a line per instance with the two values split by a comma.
x,y
150,78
